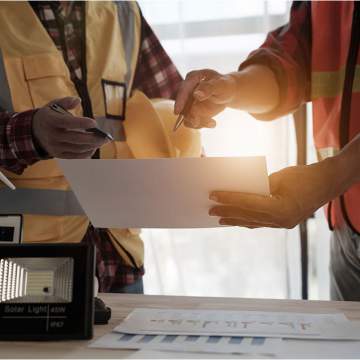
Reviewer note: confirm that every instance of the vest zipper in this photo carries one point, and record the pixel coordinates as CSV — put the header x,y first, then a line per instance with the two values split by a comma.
x,y
80,84
347,97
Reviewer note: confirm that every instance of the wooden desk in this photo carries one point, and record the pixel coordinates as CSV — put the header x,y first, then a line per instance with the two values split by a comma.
x,y
122,304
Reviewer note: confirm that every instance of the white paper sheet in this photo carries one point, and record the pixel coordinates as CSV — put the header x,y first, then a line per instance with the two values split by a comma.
x,y
161,354
288,349
239,323
319,349
160,193
208,344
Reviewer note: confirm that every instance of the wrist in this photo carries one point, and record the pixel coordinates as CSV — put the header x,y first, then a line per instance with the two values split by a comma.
x,y
37,146
236,79
256,89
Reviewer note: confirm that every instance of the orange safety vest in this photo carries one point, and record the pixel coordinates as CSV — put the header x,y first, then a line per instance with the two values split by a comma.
x,y
335,93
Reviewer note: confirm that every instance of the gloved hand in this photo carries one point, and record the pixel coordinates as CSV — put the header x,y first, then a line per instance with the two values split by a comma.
x,y
212,92
59,134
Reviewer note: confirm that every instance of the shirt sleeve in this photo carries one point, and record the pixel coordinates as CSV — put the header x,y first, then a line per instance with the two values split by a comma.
x,y
287,52
17,147
156,75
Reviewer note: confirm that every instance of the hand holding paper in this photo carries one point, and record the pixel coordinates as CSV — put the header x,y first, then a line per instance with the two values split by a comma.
x,y
297,192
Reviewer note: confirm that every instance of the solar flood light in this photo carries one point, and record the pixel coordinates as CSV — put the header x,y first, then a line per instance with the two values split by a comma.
x,y
46,291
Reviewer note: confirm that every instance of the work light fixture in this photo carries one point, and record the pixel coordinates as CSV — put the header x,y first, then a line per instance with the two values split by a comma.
x,y
46,291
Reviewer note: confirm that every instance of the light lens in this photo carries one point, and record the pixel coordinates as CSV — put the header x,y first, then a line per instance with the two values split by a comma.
x,y
36,280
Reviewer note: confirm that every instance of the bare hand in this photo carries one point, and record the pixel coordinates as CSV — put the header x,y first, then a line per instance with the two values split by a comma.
x,y
296,193
212,92
59,134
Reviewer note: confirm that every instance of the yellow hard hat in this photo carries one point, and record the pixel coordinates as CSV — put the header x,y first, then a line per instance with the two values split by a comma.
x,y
149,130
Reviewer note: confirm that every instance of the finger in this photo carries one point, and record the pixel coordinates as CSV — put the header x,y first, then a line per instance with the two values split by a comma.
x,y
199,123
220,90
79,137
75,155
205,109
187,87
275,181
261,203
68,103
209,123
71,122
75,148
192,122
244,223
236,212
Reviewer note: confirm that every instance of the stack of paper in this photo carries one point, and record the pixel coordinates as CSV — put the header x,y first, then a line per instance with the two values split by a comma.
x,y
212,331
238,323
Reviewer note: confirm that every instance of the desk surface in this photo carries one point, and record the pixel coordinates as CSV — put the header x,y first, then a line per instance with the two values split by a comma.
x,y
122,304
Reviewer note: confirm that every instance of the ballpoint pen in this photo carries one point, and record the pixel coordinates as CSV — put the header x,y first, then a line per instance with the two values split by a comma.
x,y
184,112
6,181
59,109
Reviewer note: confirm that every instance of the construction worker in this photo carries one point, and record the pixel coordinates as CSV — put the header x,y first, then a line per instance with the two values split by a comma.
x,y
103,53
315,57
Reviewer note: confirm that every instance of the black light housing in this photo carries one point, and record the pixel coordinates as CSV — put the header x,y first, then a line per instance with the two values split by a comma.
x,y
46,291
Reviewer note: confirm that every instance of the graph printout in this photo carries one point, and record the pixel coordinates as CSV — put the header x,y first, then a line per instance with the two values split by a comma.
x,y
191,343
239,323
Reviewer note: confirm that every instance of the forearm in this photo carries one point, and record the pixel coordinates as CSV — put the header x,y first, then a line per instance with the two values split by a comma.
x,y
257,90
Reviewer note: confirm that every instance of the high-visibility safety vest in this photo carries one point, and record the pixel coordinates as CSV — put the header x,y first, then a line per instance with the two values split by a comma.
x,y
335,93
33,72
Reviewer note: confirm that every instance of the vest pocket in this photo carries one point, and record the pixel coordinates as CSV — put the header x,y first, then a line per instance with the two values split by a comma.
x,y
114,99
47,77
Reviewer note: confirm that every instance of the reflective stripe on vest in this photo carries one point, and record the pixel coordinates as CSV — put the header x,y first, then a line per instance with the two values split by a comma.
x,y
330,83
113,127
126,22
39,202
327,152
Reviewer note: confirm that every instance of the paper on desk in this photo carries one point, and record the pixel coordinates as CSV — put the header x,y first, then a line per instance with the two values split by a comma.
x,y
160,193
161,354
288,349
319,349
209,344
239,323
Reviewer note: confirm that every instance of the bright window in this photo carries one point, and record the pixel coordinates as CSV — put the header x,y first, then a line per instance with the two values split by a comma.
x,y
232,261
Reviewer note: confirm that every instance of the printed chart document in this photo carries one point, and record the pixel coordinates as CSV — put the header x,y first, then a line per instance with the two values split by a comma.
x,y
160,193
288,349
191,343
160,354
323,349
239,323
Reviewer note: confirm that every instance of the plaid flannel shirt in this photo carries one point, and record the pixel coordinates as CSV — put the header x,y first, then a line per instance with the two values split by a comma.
x,y
155,75
287,52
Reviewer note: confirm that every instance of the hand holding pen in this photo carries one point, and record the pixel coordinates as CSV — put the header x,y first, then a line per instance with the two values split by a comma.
x,y
57,108
202,95
63,135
